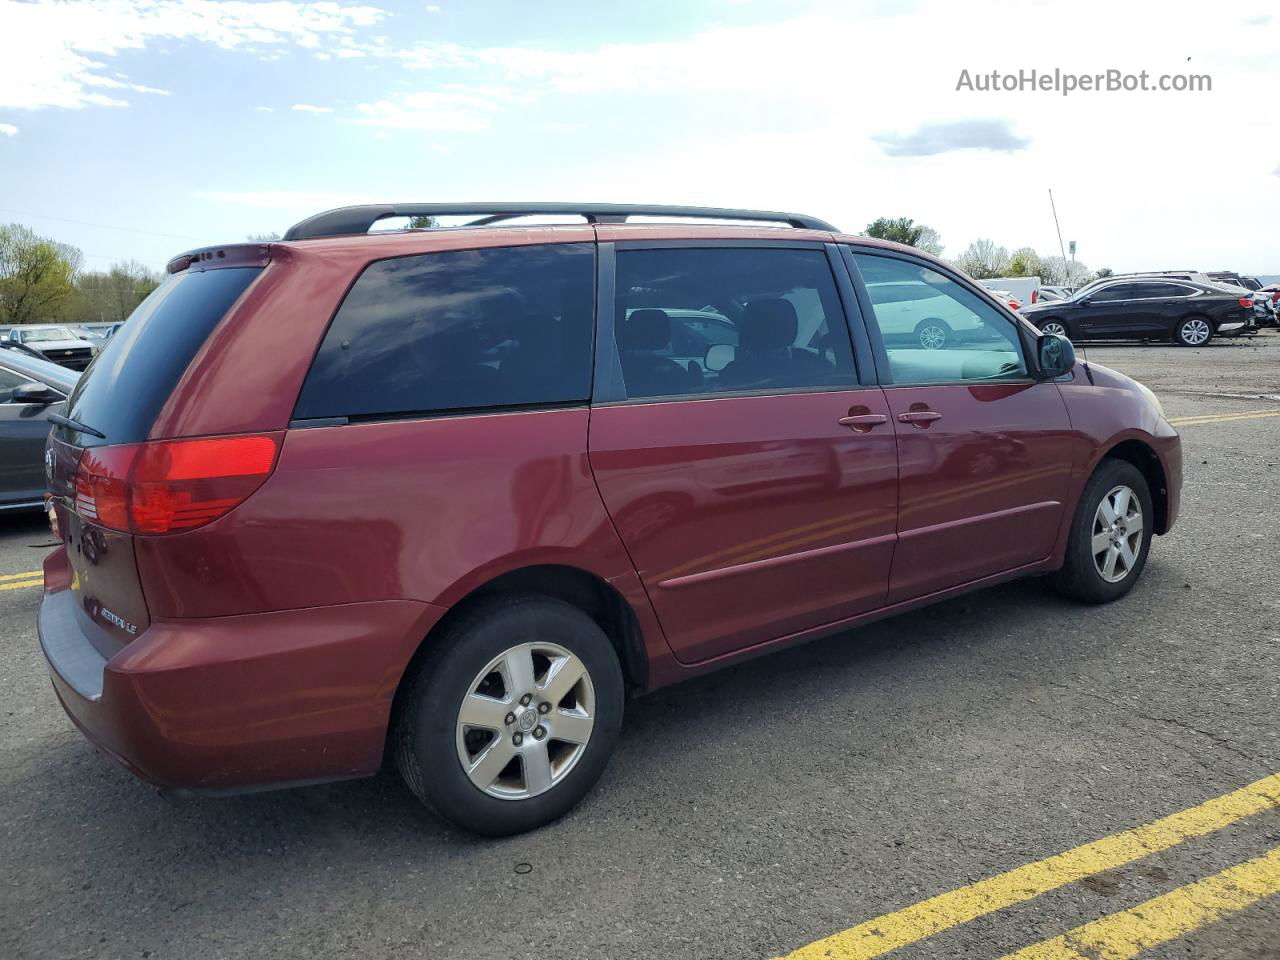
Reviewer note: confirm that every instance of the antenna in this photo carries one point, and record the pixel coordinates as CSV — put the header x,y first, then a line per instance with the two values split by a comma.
x,y
1084,351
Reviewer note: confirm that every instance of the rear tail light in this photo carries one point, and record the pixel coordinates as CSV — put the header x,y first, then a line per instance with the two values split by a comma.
x,y
1035,295
167,486
1246,302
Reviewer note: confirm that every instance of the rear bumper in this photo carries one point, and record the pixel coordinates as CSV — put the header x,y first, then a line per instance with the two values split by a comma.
x,y
237,703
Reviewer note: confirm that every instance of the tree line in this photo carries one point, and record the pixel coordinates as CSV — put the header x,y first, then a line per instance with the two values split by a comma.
x,y
43,281
984,259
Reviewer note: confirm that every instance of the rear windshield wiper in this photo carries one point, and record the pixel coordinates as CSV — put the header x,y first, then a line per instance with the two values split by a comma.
x,y
62,421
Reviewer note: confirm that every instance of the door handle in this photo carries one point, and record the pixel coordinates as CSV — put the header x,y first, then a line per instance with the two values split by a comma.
x,y
920,418
863,422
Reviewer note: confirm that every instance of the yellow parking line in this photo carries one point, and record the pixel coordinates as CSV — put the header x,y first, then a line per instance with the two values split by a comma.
x,y
874,938
22,576
1223,418
22,584
1124,935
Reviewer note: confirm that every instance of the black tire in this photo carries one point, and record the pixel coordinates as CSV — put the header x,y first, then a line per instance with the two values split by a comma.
x,y
1182,332
424,738
1080,578
932,333
1066,327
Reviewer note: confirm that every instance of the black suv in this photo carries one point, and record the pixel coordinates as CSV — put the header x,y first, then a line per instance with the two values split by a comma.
x,y
1146,308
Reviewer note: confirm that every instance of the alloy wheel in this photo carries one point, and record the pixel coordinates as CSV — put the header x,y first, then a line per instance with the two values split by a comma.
x,y
1117,534
1195,331
525,720
1053,326
933,337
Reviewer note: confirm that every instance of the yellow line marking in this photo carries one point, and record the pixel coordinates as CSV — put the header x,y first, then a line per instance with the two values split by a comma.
x,y
22,584
22,576
1224,418
1124,935
877,937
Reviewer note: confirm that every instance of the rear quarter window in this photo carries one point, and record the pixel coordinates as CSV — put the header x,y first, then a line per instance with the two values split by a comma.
x,y
459,330
124,388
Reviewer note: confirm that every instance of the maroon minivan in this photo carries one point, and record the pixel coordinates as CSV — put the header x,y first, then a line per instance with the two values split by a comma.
x,y
453,494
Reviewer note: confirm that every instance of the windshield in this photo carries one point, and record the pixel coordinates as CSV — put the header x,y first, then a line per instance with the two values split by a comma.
x,y
47,333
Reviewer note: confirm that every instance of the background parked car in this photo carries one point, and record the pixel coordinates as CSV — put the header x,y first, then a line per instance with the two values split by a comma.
x,y
1146,309
31,388
1026,290
1050,293
57,343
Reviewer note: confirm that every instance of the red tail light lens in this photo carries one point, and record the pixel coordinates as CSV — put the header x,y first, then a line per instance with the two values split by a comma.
x,y
171,485
1246,302
1035,295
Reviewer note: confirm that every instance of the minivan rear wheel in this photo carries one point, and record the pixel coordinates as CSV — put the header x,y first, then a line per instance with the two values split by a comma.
x,y
933,334
1110,535
512,717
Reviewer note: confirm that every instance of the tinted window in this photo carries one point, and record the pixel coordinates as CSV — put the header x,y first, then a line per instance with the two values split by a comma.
x,y
126,385
502,326
936,330
1117,291
697,321
1161,290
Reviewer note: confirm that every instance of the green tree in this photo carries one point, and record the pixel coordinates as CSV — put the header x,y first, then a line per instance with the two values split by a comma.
x,y
900,230
1103,273
111,296
1024,262
37,276
423,223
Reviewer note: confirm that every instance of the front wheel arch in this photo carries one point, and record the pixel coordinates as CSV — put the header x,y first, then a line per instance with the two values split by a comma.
x,y
1144,457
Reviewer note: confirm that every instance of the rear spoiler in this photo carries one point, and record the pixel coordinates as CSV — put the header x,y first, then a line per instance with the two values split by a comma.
x,y
232,255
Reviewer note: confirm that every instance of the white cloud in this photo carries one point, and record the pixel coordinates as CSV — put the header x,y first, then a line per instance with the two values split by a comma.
x,y
55,54
432,8
310,108
431,110
265,109
8,129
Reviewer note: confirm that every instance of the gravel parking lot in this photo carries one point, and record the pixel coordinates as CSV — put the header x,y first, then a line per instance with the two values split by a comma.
x,y
758,810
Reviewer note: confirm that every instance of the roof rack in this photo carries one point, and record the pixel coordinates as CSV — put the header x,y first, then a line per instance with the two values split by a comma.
x,y
345,221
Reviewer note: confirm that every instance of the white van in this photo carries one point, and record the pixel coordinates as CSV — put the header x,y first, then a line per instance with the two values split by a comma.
x,y
1025,289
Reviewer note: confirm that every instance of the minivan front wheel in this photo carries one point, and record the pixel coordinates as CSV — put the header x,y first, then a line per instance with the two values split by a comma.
x,y
1193,332
1110,535
511,718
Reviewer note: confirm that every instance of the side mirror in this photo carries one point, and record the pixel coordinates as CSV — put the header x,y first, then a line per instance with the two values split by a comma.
x,y
719,356
1057,355
35,393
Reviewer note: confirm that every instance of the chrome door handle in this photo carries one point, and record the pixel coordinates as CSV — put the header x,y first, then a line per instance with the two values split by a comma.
x,y
919,416
863,421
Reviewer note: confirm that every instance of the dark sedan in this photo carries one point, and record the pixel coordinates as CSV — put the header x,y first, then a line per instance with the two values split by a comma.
x,y
1146,308
31,388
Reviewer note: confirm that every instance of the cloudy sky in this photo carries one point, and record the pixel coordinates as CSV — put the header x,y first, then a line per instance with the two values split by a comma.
x,y
138,128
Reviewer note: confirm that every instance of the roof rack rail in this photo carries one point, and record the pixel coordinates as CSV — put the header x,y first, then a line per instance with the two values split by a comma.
x,y
345,221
